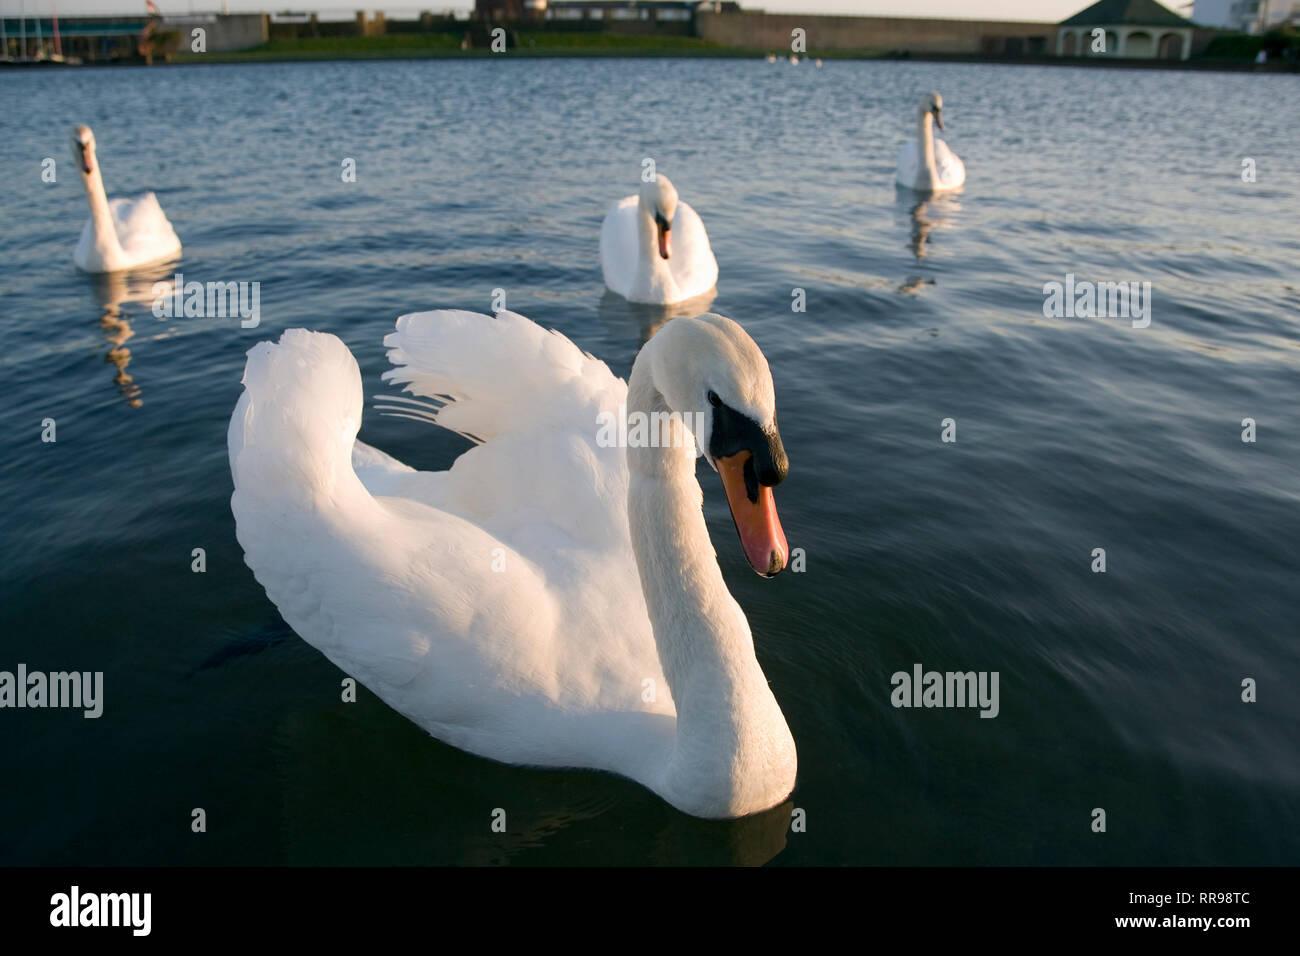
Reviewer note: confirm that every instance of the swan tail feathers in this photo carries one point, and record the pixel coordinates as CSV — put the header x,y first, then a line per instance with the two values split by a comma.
x,y
329,555
293,430
489,376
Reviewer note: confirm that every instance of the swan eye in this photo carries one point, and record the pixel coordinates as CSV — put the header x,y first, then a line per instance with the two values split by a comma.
x,y
713,398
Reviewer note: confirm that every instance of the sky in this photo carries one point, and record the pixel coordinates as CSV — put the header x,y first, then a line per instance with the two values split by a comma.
x,y
1050,10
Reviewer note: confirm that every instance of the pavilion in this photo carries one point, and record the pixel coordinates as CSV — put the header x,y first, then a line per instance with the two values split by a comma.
x,y
1134,29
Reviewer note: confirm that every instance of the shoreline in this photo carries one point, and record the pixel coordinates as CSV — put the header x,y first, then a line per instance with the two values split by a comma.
x,y
684,53
589,44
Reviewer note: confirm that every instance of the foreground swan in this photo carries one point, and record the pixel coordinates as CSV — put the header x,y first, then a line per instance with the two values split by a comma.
x,y
653,247
550,600
927,164
121,234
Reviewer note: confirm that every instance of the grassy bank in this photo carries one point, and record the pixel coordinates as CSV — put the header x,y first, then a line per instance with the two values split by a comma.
x,y
1278,44
1226,53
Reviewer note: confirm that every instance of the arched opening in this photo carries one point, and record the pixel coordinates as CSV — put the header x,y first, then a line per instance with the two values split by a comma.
x,y
1139,45
1088,42
1171,47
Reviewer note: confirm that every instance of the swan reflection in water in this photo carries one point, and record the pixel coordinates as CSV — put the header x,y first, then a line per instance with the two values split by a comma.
x,y
618,314
928,214
113,290
570,816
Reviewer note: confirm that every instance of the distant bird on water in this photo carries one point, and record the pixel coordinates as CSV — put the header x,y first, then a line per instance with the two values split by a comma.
x,y
653,247
122,233
927,164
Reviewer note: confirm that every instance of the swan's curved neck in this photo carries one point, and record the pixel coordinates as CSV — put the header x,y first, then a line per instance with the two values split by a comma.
x,y
101,219
733,750
651,269
929,173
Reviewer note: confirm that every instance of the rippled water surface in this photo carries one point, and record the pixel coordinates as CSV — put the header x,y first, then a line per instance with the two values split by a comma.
x,y
1119,690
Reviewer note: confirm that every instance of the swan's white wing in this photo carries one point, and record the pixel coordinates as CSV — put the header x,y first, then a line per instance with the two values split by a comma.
x,y
496,375
693,265
536,401
619,247
951,170
143,230
909,164
85,255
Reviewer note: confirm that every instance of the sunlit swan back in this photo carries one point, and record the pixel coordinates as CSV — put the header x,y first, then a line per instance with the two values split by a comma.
x,y
927,164
123,233
553,599
653,247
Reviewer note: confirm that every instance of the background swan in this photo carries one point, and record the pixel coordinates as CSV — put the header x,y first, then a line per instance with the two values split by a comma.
x,y
549,600
927,164
653,247
121,234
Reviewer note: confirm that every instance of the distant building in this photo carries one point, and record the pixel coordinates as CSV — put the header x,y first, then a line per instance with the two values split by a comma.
x,y
1247,16
1132,29
125,38
680,11
609,12
88,38
510,10
498,9
1260,16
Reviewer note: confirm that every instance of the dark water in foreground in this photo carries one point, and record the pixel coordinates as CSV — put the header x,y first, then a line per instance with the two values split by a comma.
x,y
1118,690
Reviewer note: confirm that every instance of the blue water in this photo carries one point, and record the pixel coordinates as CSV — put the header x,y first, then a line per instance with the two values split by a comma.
x,y
1119,691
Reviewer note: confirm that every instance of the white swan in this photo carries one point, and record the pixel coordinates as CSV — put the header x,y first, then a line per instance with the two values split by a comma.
x,y
121,234
552,599
653,248
927,164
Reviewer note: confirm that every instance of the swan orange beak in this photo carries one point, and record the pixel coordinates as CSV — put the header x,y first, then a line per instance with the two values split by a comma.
x,y
760,530
665,237
938,118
